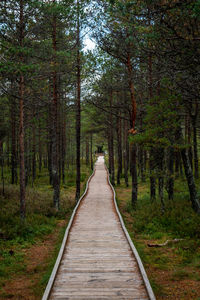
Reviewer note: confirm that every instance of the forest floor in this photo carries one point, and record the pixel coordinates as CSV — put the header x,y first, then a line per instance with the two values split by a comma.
x,y
174,269
28,251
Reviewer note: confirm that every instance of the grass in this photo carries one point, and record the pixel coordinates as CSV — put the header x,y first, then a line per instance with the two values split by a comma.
x,y
177,264
17,238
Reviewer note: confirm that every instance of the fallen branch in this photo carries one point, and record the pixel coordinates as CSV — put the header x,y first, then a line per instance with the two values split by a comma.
x,y
165,243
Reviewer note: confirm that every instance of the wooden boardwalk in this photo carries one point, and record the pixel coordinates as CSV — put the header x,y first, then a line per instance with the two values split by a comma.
x,y
97,261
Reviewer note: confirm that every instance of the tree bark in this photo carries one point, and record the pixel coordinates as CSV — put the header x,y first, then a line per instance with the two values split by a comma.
x,y
132,93
170,183
87,152
190,154
78,108
112,141
50,135
21,118
39,147
63,148
126,153
119,149
160,158
13,144
190,180
33,152
152,176
133,169
195,147
55,166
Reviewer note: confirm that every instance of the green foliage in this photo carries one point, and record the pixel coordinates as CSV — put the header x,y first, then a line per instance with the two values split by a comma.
x,y
178,220
160,122
196,9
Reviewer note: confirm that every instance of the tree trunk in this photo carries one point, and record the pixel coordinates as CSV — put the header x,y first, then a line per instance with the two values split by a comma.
x,y
78,109
55,166
190,180
33,153
160,158
87,152
21,118
63,148
152,176
133,169
91,154
21,143
119,149
50,136
126,153
109,152
112,142
13,144
170,183
8,150
195,147
142,166
190,154
39,147
132,93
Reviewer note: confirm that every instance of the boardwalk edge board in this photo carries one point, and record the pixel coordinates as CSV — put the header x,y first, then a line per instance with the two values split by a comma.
x,y
135,252
60,254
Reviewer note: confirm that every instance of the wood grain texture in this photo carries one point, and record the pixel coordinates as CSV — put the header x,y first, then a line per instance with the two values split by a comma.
x,y
98,262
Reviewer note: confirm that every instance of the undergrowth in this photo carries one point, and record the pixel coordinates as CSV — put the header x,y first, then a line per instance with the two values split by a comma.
x,y
41,220
175,263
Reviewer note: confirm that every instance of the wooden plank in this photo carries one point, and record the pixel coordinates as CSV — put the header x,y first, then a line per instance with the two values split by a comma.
x,y
97,260
60,254
140,264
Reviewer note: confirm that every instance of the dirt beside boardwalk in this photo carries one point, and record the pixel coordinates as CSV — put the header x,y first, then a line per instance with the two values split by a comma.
x,y
27,286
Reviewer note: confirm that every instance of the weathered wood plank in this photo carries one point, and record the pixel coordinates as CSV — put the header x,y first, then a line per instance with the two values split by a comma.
x,y
98,262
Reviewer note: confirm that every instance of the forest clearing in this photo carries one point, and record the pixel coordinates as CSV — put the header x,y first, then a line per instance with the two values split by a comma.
x,y
80,80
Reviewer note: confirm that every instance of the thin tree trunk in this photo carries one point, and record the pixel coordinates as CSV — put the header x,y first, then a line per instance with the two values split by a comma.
x,y
195,147
111,141
132,93
39,147
33,154
109,152
50,135
152,176
21,143
142,166
190,180
151,163
190,154
8,150
21,118
119,149
170,183
133,159
160,158
13,144
78,109
133,169
91,156
63,147
87,151
55,167
177,163
126,153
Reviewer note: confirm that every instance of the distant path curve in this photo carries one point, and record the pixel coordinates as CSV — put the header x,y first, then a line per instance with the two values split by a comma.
x,y
98,260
